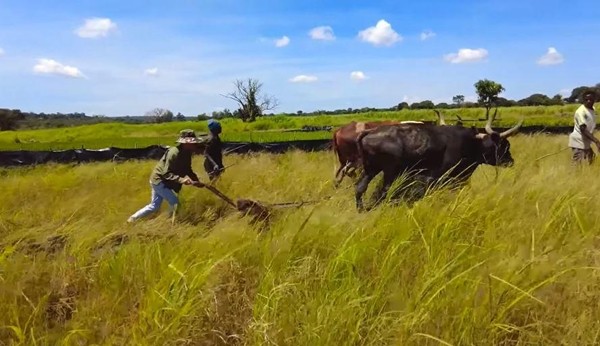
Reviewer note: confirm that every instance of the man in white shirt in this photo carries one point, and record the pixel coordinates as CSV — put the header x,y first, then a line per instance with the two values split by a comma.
x,y
585,123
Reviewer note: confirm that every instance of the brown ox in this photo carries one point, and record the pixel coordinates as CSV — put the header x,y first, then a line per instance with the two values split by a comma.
x,y
345,146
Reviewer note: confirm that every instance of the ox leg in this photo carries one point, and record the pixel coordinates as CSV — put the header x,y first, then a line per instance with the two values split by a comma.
x,y
388,180
419,185
362,186
339,175
351,171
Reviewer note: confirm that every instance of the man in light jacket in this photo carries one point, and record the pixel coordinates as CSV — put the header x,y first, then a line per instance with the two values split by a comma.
x,y
172,171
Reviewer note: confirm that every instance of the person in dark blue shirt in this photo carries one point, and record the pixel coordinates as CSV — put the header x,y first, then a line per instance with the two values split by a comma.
x,y
213,164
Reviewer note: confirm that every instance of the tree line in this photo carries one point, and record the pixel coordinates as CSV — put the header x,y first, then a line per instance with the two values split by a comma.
x,y
252,103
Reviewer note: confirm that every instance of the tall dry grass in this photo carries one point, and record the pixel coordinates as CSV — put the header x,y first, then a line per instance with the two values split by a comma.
x,y
512,259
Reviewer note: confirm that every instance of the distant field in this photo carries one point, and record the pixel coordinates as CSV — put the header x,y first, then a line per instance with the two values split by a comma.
x,y
123,135
513,259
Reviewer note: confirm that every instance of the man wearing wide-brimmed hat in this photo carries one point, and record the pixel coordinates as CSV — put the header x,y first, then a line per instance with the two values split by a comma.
x,y
172,171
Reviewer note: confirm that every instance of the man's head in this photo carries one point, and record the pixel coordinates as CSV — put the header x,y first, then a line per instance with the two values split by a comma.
x,y
589,98
188,140
214,126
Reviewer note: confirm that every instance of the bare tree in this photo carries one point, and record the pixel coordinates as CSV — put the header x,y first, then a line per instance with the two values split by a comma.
x,y
160,115
252,103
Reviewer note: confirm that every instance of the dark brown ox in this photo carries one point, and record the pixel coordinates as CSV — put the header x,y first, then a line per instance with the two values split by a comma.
x,y
438,154
345,148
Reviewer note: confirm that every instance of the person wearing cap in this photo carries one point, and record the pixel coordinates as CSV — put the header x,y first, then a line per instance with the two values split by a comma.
x,y
213,164
172,171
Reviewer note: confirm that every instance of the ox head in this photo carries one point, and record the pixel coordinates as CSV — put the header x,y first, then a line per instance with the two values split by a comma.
x,y
495,146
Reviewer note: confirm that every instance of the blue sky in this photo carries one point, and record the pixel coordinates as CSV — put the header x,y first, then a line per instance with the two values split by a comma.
x,y
127,57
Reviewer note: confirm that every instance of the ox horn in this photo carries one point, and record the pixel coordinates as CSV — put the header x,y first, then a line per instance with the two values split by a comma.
x,y
512,130
488,124
442,121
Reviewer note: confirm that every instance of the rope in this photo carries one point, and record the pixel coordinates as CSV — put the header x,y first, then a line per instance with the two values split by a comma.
x,y
545,156
234,149
299,204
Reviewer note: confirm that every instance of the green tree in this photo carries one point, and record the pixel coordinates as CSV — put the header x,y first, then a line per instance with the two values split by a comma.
x,y
180,117
578,92
557,100
488,92
427,104
402,105
536,100
502,102
9,119
458,100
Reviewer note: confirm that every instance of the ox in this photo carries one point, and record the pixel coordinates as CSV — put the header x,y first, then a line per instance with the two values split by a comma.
x,y
345,148
435,153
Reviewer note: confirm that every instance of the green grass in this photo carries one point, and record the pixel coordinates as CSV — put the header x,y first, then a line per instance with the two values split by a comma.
x,y
263,130
511,259
140,142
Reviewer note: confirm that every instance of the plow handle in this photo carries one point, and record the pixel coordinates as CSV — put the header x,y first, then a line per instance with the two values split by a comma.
x,y
220,195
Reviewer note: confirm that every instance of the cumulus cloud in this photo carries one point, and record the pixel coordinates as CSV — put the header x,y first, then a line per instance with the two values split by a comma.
x,y
381,34
304,79
49,66
323,33
565,92
427,34
96,27
552,57
151,72
358,75
282,42
466,55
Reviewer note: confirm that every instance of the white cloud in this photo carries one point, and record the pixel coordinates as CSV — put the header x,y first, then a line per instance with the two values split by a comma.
x,y
49,66
565,92
282,42
304,79
1,52
358,75
151,72
96,27
411,99
466,55
552,57
381,34
324,33
427,34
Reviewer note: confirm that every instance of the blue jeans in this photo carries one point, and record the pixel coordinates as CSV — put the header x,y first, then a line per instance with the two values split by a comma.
x,y
159,192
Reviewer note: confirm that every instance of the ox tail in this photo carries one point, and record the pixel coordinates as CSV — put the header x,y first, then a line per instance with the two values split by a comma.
x,y
335,150
336,159
359,145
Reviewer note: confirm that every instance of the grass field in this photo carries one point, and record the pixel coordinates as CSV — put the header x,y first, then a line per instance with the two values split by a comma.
x,y
129,136
512,259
